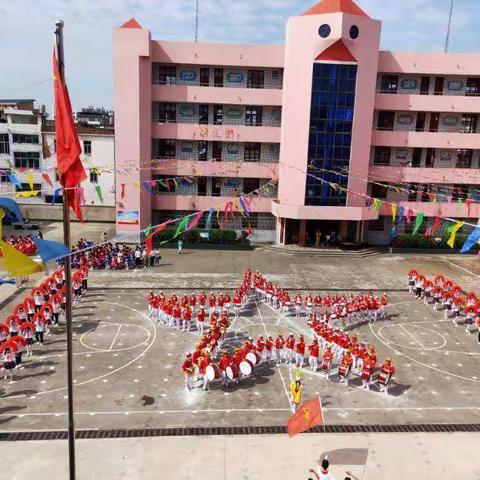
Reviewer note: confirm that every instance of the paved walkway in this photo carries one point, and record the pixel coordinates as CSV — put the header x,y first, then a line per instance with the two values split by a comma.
x,y
369,457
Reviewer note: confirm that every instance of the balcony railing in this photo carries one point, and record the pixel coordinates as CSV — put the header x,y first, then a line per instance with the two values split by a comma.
x,y
195,121
197,83
224,158
425,129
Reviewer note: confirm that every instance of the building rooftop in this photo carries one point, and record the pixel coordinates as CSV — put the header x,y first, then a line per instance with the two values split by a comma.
x,y
336,6
49,127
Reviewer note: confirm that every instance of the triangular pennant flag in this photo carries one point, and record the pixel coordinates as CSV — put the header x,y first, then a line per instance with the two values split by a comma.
x,y
122,192
55,195
30,180
453,233
11,207
472,239
46,177
49,250
208,225
149,230
136,185
148,188
13,179
394,208
468,203
98,189
409,216
195,221
418,223
181,226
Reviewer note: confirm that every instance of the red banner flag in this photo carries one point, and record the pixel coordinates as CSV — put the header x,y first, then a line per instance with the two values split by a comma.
x,y
149,238
308,415
70,169
46,177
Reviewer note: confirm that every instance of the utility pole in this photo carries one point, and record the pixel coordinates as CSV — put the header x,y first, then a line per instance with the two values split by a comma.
x,y
197,12
449,28
68,279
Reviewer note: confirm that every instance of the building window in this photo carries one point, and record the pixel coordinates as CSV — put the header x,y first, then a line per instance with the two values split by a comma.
x,y
252,152
426,188
354,32
93,176
58,198
379,191
382,156
389,84
217,151
218,77
216,187
473,87
203,114
377,225
164,148
386,120
253,116
25,187
464,158
412,192
24,138
324,30
87,147
250,185
161,185
164,112
202,151
459,192
204,76
469,123
218,114
4,173
24,119
164,75
331,119
255,79
4,143
202,186
26,159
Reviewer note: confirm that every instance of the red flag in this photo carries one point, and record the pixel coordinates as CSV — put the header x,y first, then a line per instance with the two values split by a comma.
x,y
195,221
149,239
308,415
70,169
46,177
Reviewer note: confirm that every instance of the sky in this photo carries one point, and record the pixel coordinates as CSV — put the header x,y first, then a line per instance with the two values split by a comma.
x,y
26,34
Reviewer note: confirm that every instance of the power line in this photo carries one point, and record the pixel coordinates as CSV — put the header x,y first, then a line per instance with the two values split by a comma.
x,y
449,27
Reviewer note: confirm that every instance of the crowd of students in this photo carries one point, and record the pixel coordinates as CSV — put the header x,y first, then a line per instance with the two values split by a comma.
x,y
109,256
23,244
31,319
443,294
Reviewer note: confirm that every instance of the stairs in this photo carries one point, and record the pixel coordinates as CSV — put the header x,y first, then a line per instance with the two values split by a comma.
x,y
321,252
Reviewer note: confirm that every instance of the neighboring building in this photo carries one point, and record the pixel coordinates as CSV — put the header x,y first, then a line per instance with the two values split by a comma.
x,y
98,159
20,145
329,101
94,117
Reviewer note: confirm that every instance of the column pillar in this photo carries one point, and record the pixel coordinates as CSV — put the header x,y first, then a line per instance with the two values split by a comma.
x,y
302,233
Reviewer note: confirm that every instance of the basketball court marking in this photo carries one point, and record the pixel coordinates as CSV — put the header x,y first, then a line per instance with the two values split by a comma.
x,y
100,377
278,368
418,362
422,347
119,325
462,268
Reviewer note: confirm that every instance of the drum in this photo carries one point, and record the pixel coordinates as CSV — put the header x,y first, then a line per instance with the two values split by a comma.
x,y
212,372
343,370
366,374
232,372
384,378
227,306
246,367
253,358
325,364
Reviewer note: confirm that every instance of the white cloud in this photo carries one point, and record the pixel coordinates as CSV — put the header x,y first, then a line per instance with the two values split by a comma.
x,y
27,33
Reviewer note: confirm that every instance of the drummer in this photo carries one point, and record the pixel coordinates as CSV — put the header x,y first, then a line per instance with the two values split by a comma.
x,y
386,373
327,361
279,344
367,371
203,363
225,361
300,352
290,344
347,362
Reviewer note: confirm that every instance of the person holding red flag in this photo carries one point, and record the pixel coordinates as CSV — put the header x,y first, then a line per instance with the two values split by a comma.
x,y
307,415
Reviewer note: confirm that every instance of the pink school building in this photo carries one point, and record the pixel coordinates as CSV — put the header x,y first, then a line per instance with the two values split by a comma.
x,y
328,106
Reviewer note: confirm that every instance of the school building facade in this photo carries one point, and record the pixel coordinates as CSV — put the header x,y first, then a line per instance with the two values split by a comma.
x,y
327,107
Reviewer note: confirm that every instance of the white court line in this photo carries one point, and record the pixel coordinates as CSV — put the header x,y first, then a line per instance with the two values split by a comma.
x,y
278,368
462,268
412,336
238,410
420,363
288,320
115,337
106,374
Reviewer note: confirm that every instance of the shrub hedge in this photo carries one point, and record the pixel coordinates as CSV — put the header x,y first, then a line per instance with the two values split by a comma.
x,y
216,237
420,241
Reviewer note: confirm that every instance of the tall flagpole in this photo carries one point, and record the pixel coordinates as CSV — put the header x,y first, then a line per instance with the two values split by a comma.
x,y
196,20
449,28
68,280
